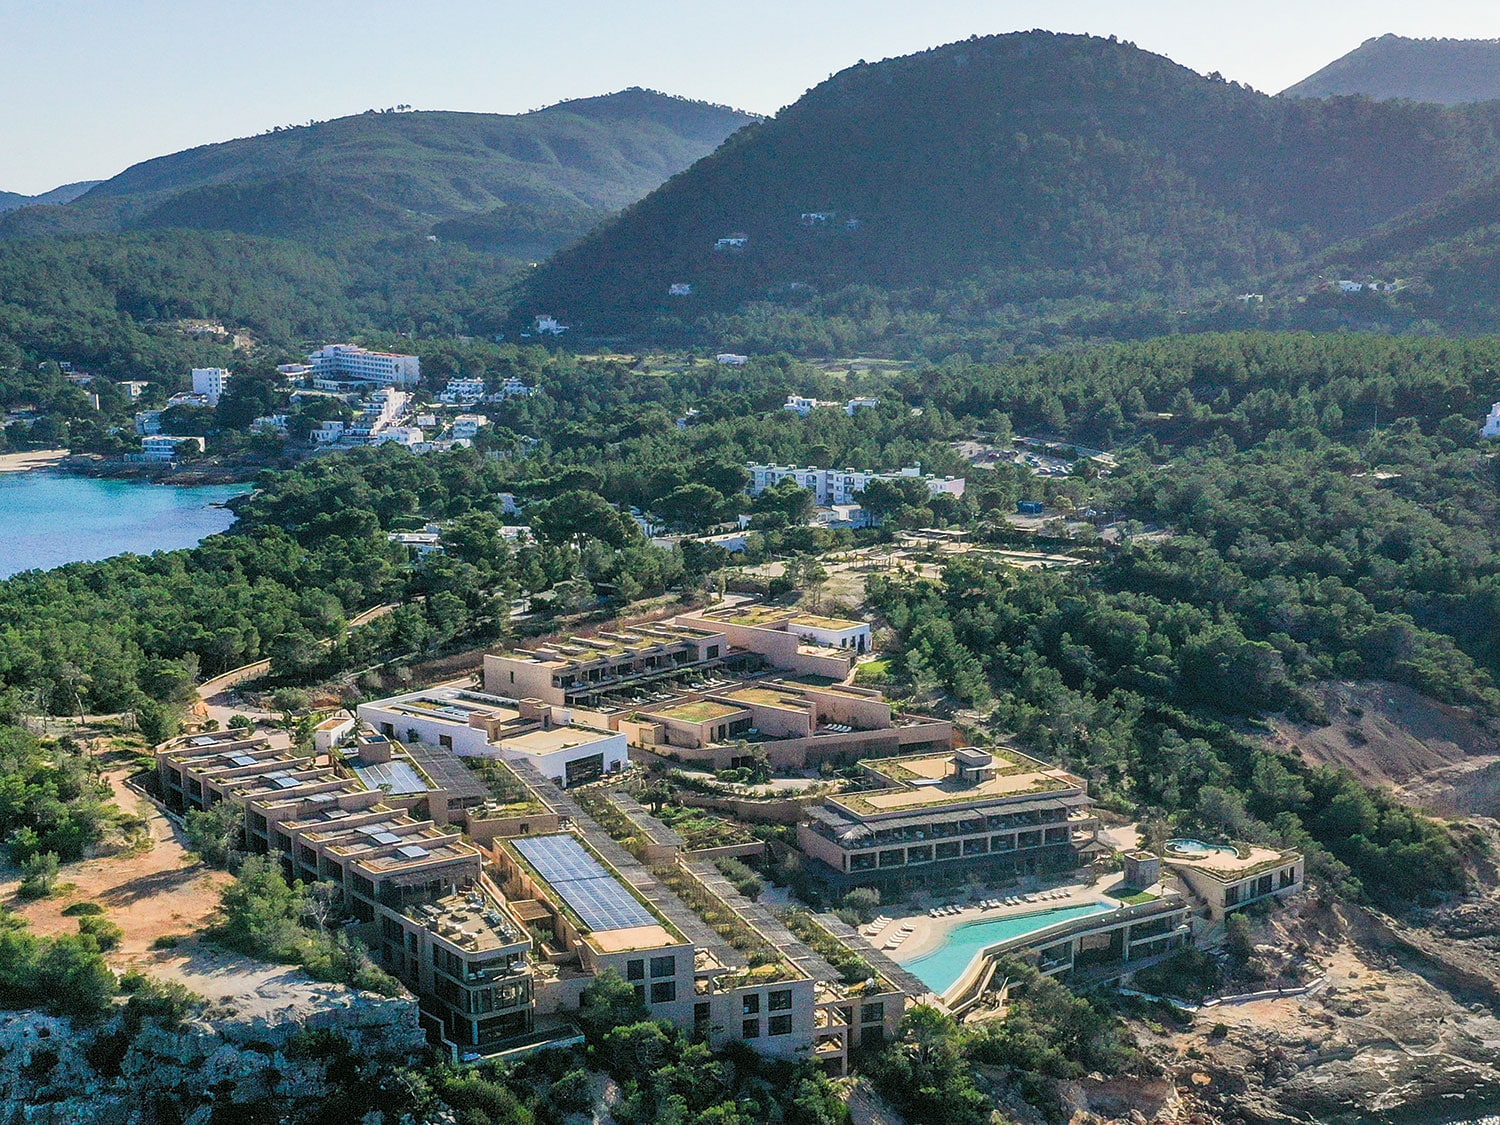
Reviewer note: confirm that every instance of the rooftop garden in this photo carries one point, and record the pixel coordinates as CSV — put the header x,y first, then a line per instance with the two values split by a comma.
x,y
765,959
700,828
853,969
509,796
701,711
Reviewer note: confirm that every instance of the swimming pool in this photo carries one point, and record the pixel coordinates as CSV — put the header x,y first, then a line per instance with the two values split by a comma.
x,y
944,965
1199,848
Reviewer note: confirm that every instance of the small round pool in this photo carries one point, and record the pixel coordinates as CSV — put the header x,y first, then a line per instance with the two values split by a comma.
x,y
1197,848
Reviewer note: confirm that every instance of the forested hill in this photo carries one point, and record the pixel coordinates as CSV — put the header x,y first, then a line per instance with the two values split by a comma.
x,y
1026,167
518,184
1444,256
1446,71
10,200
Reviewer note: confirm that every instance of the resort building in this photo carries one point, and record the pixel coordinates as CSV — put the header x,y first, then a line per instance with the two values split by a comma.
x,y
1228,877
347,361
789,638
473,724
795,725
842,486
1491,426
995,810
581,671
417,890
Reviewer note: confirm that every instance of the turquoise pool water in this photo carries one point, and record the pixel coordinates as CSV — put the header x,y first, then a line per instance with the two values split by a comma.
x,y
944,965
1198,847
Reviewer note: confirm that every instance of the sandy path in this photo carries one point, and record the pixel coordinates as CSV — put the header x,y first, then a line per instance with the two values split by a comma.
x,y
155,893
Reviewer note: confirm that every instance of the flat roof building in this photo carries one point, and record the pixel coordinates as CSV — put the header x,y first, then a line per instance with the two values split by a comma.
x,y
349,361
474,724
992,808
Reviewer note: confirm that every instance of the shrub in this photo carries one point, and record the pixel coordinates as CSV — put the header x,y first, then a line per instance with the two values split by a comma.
x,y
39,875
166,941
102,930
79,909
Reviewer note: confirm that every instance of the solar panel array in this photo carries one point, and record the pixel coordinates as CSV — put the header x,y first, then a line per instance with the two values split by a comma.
x,y
593,893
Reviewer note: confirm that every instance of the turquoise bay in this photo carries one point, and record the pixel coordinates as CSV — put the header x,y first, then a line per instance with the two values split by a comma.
x,y
49,518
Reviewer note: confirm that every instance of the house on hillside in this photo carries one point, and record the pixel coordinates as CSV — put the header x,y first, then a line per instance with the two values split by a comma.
x,y
549,326
733,242
1491,428
680,289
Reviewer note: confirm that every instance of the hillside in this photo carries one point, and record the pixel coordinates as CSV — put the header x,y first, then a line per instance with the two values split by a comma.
x,y
1445,71
998,174
519,184
10,200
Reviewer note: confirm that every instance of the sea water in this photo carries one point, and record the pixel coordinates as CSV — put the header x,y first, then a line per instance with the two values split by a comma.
x,y
49,518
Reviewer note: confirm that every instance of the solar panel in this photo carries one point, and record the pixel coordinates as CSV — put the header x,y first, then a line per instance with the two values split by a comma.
x,y
385,838
411,851
242,759
370,829
593,893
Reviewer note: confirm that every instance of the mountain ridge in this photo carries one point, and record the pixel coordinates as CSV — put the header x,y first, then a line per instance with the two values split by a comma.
x,y
1057,165
555,171
65,193
1442,71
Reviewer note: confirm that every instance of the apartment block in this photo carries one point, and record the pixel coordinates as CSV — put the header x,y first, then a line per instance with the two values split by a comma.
x,y
843,486
211,382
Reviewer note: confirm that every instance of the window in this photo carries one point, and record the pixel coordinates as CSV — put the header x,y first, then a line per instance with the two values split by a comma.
x,y
780,1001
780,1025
750,1029
445,741
635,970
872,1013
750,1004
663,967
640,993
664,992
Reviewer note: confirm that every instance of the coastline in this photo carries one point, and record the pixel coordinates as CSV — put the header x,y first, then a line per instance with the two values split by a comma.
x,y
32,459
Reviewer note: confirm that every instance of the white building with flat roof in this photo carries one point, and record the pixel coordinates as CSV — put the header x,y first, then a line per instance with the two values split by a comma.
x,y
348,361
842,486
211,382
475,724
1491,426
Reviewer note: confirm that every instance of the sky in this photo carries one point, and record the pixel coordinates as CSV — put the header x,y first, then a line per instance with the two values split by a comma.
x,y
90,87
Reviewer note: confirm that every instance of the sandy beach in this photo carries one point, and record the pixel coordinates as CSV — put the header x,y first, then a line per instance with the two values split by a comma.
x,y
32,459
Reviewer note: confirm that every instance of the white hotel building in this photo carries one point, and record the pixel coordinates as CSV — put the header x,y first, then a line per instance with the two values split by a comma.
x,y
212,382
841,486
346,361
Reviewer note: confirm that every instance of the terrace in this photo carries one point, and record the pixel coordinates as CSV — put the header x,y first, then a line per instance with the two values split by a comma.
x,y
926,781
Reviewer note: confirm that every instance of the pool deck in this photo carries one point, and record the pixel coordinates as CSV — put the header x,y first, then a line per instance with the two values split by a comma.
x,y
927,934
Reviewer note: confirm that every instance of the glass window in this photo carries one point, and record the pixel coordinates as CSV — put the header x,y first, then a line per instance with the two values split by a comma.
x,y
872,1013
663,967
780,1025
635,970
664,992
750,1029
750,1004
781,1001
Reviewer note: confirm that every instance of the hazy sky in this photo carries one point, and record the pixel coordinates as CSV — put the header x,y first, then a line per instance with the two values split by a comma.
x,y
92,86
